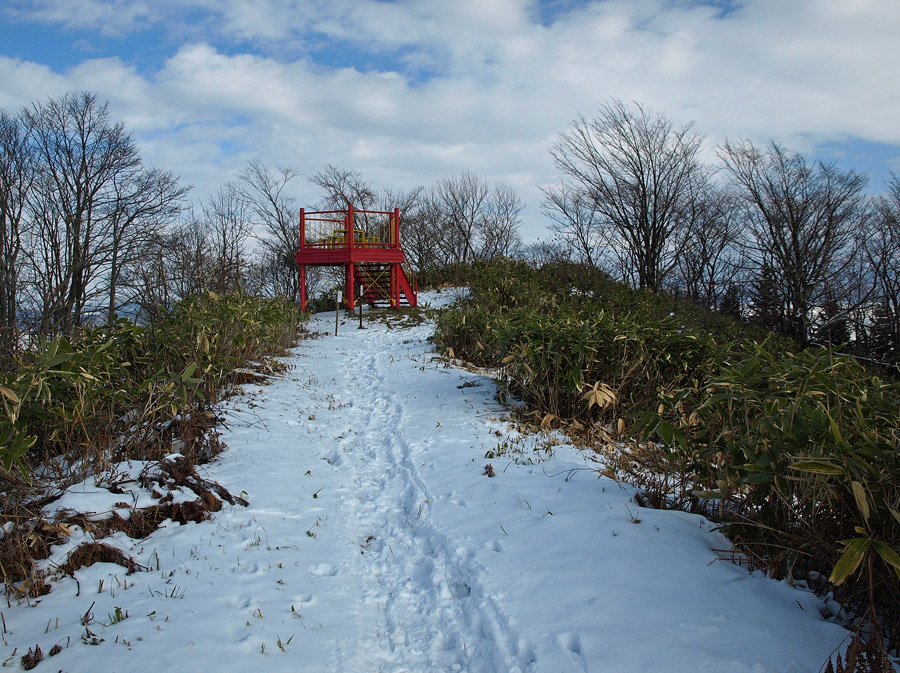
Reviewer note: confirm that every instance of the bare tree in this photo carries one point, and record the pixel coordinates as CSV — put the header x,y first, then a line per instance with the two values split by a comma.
x,y
81,153
574,219
635,167
152,278
882,251
143,202
461,201
474,219
459,219
421,235
343,188
406,200
227,218
555,250
177,263
710,260
278,213
17,167
498,229
187,251
803,220
416,236
271,276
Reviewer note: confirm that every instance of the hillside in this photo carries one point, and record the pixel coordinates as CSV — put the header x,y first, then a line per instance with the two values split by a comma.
x,y
375,539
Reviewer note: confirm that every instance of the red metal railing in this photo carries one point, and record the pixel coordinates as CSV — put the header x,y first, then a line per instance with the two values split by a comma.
x,y
348,229
411,277
363,242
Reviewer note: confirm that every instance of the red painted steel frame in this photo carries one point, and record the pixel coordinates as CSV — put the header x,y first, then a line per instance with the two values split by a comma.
x,y
336,241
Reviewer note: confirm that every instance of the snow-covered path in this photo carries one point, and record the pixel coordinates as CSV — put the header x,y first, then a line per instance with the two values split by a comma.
x,y
422,606
374,541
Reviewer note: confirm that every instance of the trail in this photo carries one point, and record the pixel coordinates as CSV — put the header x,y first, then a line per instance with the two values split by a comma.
x,y
374,542
435,613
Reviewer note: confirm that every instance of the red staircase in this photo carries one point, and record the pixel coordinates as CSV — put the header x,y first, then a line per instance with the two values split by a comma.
x,y
367,244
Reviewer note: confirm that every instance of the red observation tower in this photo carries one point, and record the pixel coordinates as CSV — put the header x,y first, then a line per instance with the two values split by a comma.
x,y
367,244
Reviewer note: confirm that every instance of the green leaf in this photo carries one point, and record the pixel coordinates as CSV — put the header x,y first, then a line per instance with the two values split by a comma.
x,y
835,430
895,514
715,399
759,478
13,452
666,432
9,394
817,466
862,502
853,555
58,359
887,554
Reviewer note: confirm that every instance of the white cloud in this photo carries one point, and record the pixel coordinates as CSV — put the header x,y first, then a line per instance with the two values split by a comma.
x,y
436,87
106,17
23,82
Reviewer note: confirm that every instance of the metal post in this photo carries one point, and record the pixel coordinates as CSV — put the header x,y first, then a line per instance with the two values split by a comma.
x,y
360,307
337,312
302,266
302,228
351,226
396,231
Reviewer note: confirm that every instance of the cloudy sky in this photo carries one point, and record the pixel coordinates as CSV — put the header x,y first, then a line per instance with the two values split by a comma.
x,y
408,91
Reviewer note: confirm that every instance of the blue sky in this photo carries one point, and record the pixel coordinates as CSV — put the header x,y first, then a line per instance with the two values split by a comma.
x,y
408,91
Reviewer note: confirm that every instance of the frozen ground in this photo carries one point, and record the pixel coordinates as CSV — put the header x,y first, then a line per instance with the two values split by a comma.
x,y
374,541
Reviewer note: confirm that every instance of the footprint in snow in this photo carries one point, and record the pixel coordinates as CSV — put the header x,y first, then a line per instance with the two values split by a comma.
x,y
305,600
332,458
570,641
250,568
459,502
322,569
459,589
240,636
240,601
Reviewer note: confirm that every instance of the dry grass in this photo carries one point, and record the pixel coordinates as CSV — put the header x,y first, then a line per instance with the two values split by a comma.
x,y
31,535
79,406
89,553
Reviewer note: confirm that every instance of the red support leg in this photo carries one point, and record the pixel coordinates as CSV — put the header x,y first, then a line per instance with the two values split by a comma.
x,y
349,286
303,287
395,288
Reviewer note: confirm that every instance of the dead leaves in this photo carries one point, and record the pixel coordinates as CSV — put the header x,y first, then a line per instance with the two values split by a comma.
x,y
33,658
89,553
547,421
601,395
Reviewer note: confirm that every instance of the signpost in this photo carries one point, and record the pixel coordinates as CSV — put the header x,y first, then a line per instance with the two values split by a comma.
x,y
337,311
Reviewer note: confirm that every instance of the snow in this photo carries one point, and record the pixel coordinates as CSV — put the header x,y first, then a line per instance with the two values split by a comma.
x,y
374,541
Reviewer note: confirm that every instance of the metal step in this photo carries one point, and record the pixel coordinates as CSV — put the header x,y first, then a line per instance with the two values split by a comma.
x,y
376,279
